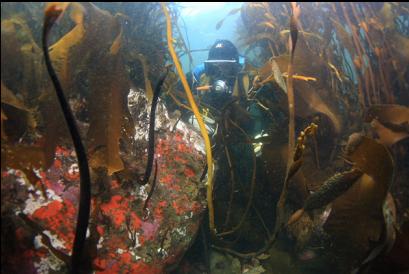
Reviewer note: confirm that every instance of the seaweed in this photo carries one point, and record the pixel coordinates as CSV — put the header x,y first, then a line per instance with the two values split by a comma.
x,y
52,13
199,119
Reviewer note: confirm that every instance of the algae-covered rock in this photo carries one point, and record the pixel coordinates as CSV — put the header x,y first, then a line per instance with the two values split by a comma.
x,y
120,239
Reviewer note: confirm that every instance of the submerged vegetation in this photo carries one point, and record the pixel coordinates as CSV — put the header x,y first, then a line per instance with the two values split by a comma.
x,y
327,178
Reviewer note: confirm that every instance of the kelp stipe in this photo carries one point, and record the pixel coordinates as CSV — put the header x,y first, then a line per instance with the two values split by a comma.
x,y
52,13
199,120
151,145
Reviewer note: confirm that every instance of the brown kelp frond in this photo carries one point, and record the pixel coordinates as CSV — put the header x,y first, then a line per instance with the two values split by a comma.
x,y
293,26
108,81
362,203
390,122
145,69
60,51
357,197
71,55
22,118
371,157
18,120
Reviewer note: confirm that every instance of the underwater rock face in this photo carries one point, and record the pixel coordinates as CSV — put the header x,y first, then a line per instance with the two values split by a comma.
x,y
120,239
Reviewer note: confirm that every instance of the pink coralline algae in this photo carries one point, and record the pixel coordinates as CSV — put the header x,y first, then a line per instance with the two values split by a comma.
x,y
126,243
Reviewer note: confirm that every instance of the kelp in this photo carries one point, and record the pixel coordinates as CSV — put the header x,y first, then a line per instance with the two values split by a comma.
x,y
7,97
357,197
290,91
21,58
312,99
25,98
143,34
61,51
270,72
358,65
354,64
344,37
107,115
310,90
349,60
356,31
390,122
106,76
17,118
52,13
94,78
199,119
148,85
297,159
296,163
307,93
362,204
151,144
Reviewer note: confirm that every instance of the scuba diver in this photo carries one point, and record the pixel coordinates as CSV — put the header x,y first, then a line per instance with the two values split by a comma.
x,y
220,83
218,73
220,86
223,84
238,117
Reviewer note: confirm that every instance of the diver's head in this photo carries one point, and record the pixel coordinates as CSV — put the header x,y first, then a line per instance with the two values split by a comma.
x,y
223,60
223,50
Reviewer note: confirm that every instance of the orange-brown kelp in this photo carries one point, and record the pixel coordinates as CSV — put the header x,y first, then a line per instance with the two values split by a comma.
x,y
390,122
52,13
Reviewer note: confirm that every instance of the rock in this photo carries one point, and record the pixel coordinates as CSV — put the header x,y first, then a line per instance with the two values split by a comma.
x,y
223,263
119,239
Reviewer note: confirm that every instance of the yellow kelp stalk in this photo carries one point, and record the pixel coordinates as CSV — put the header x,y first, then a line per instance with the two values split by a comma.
x,y
199,120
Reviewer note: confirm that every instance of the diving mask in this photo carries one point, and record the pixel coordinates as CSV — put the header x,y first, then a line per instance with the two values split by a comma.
x,y
221,69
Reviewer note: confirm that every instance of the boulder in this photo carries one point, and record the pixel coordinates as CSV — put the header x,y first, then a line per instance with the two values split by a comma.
x,y
120,238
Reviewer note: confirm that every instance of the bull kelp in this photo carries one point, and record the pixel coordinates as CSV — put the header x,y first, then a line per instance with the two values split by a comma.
x,y
288,154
